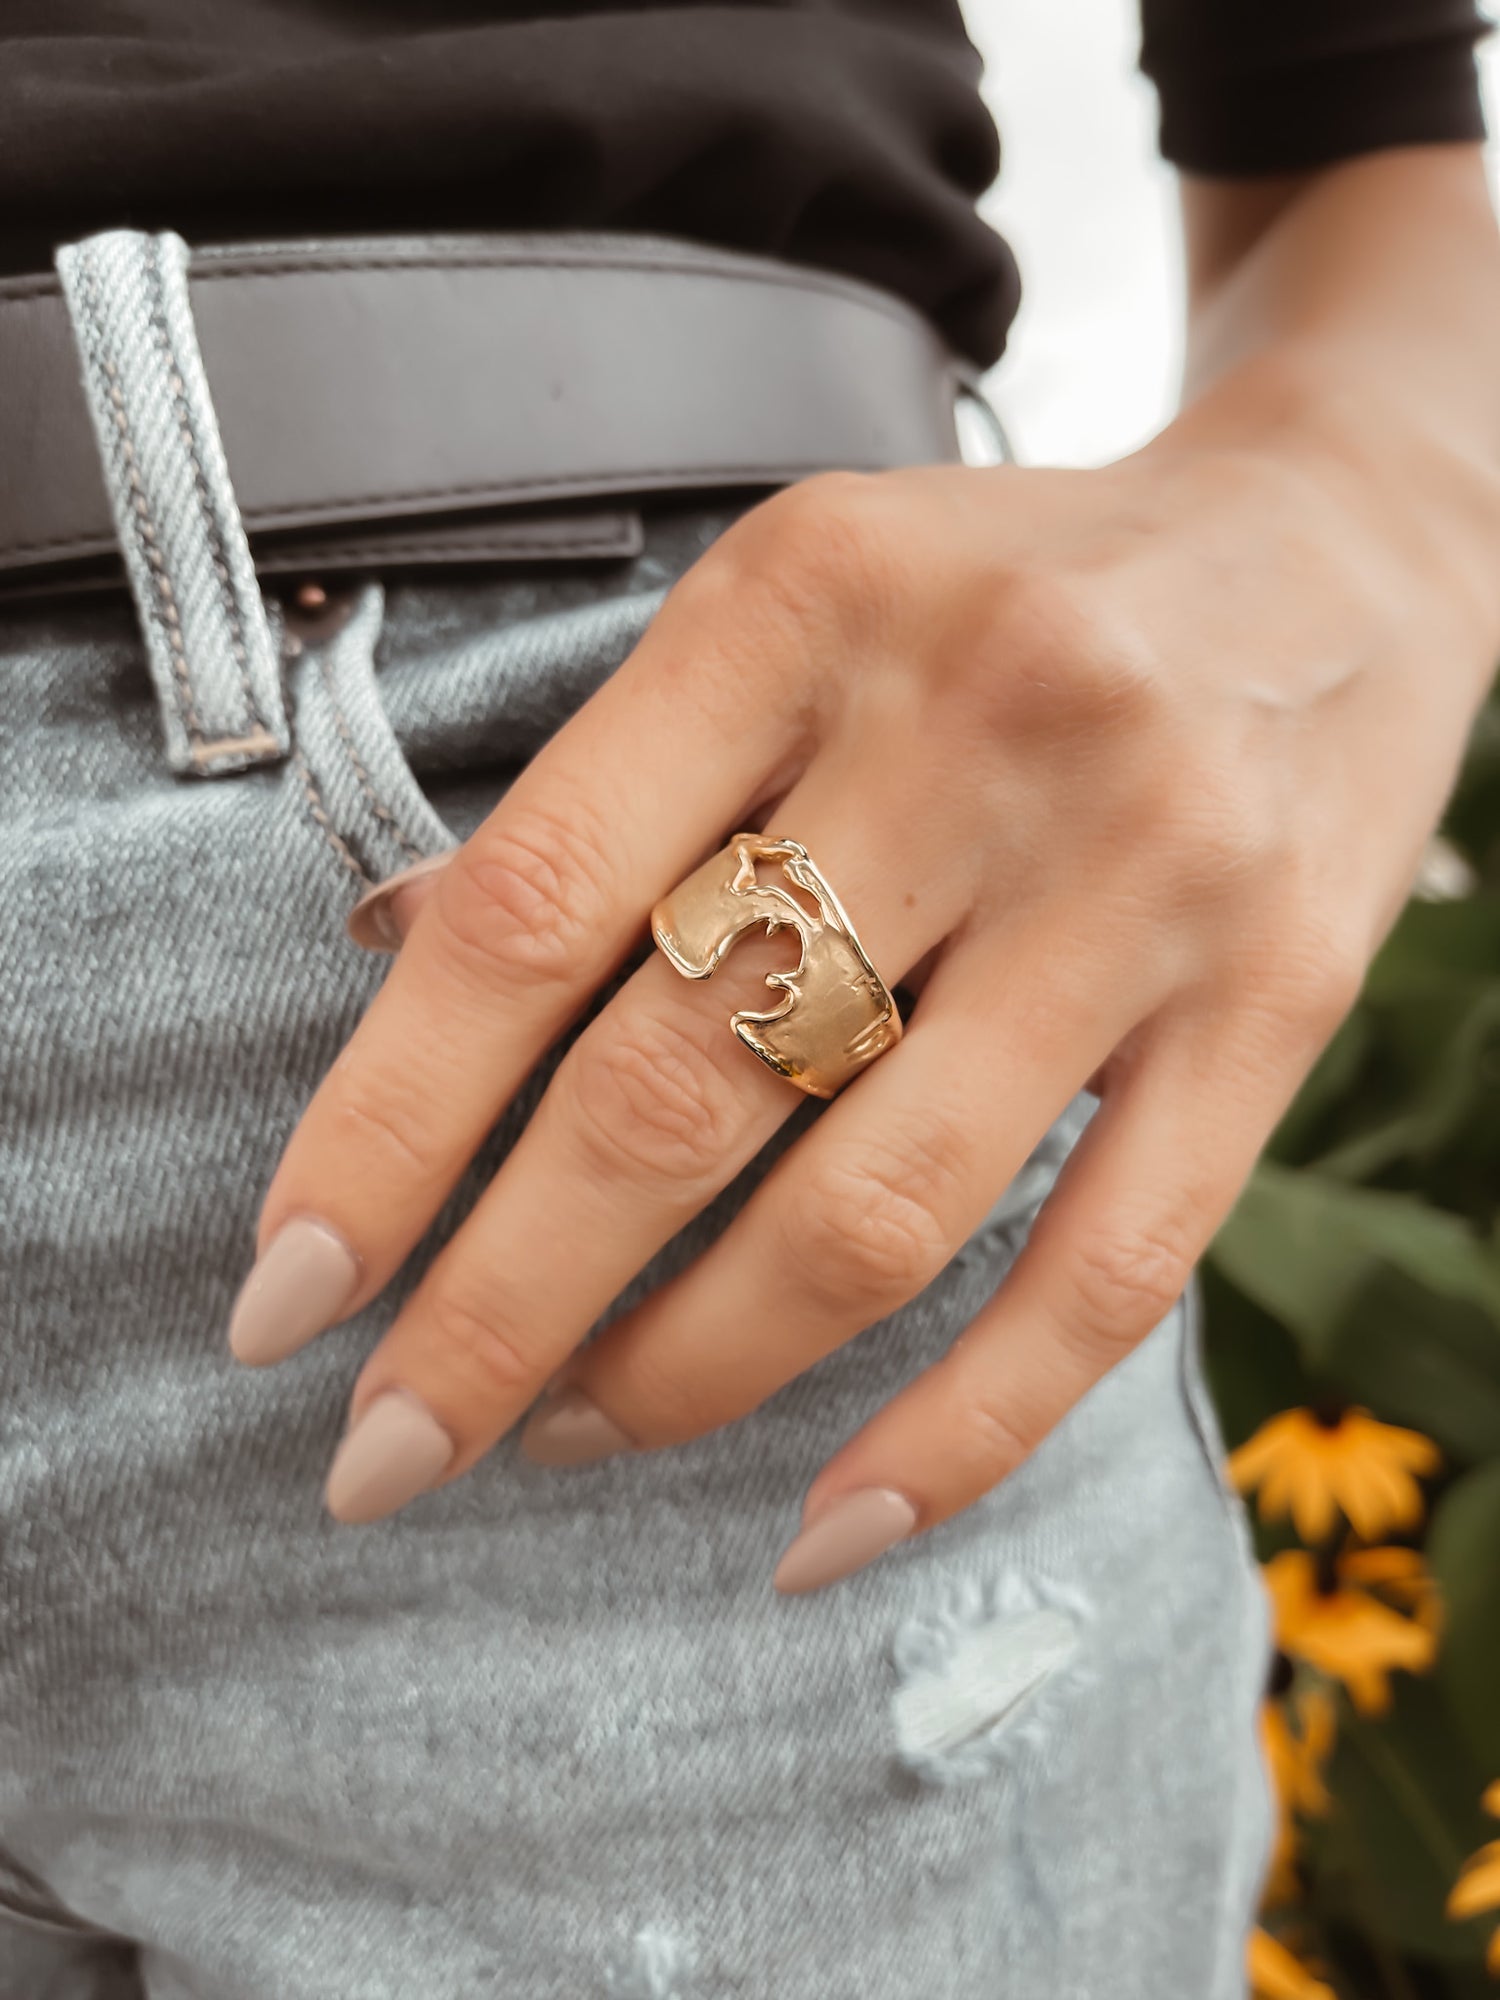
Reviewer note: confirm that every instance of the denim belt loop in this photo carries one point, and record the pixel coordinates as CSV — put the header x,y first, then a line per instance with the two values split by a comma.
x,y
212,647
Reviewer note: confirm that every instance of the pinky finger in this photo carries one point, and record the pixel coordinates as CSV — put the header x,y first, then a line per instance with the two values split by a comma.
x,y
1111,1253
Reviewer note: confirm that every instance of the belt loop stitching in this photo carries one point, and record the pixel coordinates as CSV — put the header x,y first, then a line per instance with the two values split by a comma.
x,y
383,811
209,642
165,612
212,521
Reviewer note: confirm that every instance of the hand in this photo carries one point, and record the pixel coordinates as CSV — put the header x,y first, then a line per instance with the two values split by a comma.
x,y
1136,765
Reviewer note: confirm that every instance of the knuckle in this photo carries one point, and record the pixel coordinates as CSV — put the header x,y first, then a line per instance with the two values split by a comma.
x,y
1217,836
991,1438
1311,973
865,1235
1122,1282
526,904
1058,658
392,1127
819,551
652,1103
471,1338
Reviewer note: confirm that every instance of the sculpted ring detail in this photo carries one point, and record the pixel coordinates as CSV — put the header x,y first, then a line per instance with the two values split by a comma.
x,y
836,1014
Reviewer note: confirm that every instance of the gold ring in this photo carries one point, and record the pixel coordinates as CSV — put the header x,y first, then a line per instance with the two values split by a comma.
x,y
837,1015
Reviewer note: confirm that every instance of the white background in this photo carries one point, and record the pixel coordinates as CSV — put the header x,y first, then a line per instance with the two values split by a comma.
x,y
1091,214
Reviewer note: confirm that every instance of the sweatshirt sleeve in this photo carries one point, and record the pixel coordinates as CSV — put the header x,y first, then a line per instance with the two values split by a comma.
x,y
1276,86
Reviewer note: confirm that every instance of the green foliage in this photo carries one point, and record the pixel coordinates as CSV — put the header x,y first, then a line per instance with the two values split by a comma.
x,y
1464,1549
1364,1261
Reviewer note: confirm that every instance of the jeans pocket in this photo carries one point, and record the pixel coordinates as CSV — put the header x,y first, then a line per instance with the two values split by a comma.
x,y
416,705
360,788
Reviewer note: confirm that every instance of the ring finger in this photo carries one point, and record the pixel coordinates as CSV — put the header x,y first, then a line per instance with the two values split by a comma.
x,y
653,1110
863,1213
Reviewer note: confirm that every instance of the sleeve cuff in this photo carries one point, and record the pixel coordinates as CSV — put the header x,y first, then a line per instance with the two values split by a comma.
x,y
1283,120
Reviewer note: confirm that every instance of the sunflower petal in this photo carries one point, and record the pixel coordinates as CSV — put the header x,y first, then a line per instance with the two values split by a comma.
x,y
1382,1565
1378,1497
1369,1688
1276,1975
1249,1463
1314,1504
1410,1448
1478,1887
1491,1798
1273,1500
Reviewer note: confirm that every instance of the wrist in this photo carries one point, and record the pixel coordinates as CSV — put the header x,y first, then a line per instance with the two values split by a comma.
x,y
1429,490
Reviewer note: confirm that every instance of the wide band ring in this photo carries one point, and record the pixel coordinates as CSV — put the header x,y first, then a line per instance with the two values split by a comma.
x,y
836,1015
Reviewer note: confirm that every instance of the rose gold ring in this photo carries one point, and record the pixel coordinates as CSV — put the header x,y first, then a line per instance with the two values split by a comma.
x,y
837,1014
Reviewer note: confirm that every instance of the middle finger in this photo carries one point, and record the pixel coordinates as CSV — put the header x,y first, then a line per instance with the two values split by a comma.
x,y
652,1112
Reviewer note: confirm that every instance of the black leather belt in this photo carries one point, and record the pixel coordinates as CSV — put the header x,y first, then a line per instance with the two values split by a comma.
x,y
433,400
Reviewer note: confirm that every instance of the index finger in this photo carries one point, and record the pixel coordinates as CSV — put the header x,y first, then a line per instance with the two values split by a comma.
x,y
529,917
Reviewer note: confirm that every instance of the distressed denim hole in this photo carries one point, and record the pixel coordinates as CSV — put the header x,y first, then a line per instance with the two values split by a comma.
x,y
969,1668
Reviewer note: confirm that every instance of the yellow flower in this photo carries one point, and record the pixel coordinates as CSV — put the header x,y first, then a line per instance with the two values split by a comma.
x,y
1315,1464
1296,1757
1276,1975
1402,1576
1297,1740
1342,1630
1478,1886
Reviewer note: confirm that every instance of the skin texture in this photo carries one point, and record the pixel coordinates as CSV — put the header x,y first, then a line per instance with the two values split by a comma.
x,y
1134,765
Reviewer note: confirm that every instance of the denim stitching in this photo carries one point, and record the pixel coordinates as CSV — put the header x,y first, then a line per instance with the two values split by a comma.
x,y
212,523
384,813
320,817
166,612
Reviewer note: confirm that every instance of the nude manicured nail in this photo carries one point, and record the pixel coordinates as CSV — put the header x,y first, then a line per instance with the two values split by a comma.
x,y
571,1430
381,918
300,1284
395,1450
853,1532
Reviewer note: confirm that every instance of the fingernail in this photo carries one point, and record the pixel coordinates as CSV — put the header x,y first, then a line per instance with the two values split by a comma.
x,y
301,1282
571,1430
853,1532
381,918
394,1450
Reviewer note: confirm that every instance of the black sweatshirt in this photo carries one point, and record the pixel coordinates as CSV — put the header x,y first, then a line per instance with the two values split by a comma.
x,y
843,133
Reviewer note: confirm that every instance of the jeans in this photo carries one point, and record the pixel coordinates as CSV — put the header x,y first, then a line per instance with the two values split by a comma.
x,y
543,1735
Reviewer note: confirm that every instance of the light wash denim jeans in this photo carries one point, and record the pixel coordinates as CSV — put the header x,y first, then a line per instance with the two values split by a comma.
x,y
544,1735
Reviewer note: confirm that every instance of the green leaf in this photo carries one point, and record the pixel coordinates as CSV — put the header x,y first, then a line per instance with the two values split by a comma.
x,y
1453,1982
1464,1549
1416,1359
1324,1098
1473,816
1251,1360
1458,1087
1304,1247
1395,1302
1406,1817
1431,940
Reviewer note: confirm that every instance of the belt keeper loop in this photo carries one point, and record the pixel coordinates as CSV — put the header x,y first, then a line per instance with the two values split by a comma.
x,y
213,654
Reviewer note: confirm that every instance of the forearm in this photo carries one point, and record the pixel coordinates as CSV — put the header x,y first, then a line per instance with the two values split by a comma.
x,y
1388,265
1355,314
